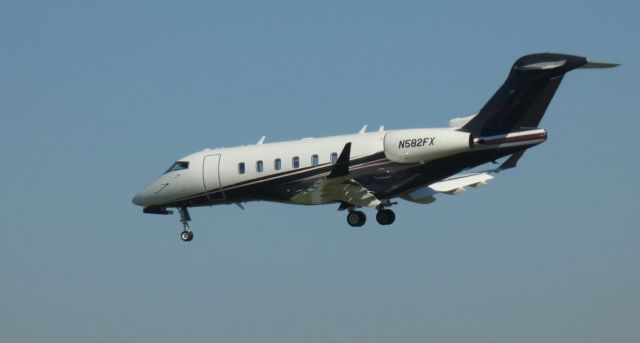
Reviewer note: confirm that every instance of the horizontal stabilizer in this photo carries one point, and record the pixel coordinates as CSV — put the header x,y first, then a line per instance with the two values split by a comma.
x,y
599,65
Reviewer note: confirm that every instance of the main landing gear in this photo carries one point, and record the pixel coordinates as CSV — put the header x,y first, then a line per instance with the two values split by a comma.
x,y
357,218
186,234
385,216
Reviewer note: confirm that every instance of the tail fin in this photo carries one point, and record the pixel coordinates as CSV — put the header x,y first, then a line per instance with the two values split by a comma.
x,y
525,95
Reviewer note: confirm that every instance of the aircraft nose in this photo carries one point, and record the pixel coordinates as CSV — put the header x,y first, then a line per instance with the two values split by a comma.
x,y
142,198
137,199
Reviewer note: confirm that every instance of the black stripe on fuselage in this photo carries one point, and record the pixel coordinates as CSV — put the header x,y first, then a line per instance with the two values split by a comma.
x,y
256,188
385,179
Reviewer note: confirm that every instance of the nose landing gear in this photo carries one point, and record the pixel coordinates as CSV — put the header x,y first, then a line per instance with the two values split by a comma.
x,y
186,234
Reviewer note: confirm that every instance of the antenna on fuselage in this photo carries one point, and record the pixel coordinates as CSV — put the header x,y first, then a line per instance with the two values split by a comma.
x,y
261,140
363,129
381,128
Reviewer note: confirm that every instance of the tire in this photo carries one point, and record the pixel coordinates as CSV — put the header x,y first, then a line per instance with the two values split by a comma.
x,y
385,217
356,218
363,218
186,236
353,219
392,217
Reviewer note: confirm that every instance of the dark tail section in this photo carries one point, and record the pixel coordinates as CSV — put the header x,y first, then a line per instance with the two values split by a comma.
x,y
523,98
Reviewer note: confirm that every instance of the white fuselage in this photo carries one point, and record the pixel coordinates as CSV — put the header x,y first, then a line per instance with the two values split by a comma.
x,y
209,175
203,176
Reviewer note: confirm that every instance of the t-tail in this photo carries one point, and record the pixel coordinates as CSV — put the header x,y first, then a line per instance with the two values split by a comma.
x,y
516,109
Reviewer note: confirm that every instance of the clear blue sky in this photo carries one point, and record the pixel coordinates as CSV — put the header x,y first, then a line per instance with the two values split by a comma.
x,y
97,99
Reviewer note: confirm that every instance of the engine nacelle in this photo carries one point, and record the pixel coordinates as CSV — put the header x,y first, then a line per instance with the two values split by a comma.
x,y
421,145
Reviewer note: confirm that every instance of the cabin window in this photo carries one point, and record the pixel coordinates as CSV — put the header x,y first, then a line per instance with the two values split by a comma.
x,y
334,157
295,162
259,167
178,165
314,160
241,168
277,164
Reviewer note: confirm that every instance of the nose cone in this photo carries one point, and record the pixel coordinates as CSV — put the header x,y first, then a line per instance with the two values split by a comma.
x,y
138,199
143,198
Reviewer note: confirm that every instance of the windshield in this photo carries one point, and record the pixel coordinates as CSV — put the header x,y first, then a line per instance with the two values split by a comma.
x,y
178,165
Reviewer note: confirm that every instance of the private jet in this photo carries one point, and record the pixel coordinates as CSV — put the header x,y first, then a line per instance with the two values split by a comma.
x,y
371,169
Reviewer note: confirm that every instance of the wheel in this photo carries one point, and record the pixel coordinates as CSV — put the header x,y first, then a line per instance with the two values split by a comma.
x,y
353,218
392,217
186,236
356,218
385,217
363,217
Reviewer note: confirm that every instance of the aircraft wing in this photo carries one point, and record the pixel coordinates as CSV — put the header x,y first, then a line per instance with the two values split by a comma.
x,y
337,186
453,186
342,189
457,184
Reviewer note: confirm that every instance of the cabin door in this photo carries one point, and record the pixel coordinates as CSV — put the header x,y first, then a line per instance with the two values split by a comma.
x,y
211,177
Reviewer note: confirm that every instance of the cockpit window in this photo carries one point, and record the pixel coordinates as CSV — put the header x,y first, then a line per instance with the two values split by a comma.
x,y
178,165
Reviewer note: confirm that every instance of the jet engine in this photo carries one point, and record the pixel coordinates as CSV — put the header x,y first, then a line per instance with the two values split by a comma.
x,y
421,145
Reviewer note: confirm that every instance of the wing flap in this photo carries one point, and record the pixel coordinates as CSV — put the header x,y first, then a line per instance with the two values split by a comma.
x,y
327,190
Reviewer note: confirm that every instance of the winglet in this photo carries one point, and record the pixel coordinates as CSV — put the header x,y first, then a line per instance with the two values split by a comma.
x,y
511,162
341,168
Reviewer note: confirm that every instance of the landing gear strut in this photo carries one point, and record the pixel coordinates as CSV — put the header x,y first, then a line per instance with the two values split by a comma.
x,y
186,234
